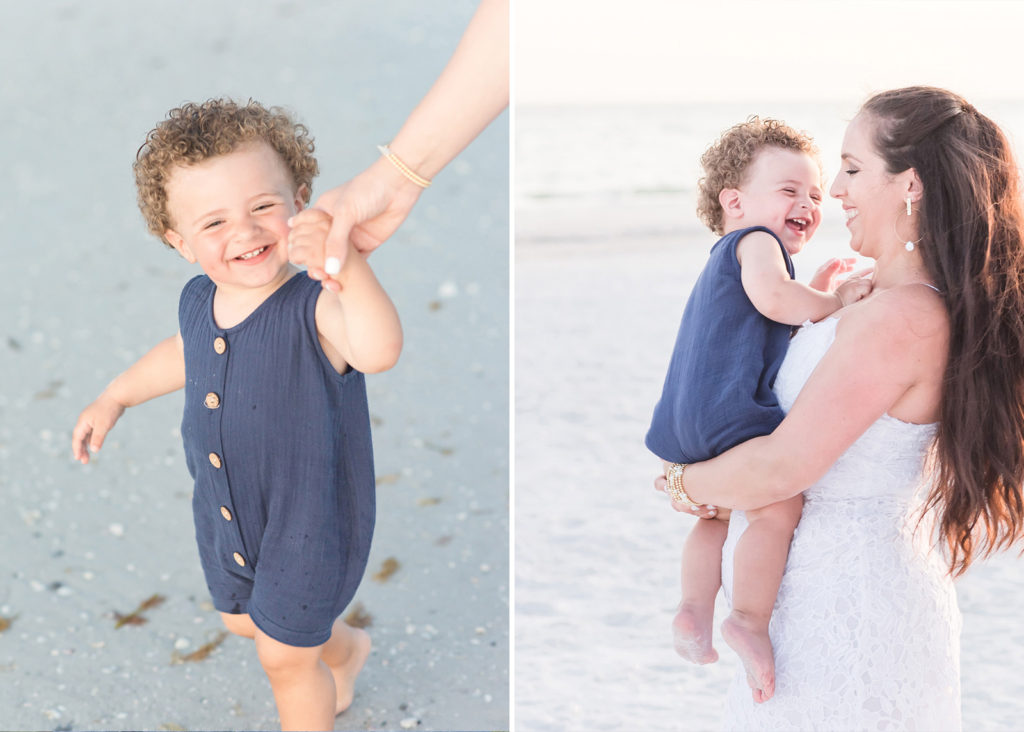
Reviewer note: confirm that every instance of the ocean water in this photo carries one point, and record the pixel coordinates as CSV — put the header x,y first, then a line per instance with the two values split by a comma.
x,y
603,173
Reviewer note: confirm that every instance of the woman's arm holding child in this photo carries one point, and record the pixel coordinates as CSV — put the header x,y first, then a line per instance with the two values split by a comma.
x,y
780,298
360,322
160,371
885,349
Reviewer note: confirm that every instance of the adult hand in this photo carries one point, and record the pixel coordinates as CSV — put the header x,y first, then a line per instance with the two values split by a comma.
x,y
366,211
704,512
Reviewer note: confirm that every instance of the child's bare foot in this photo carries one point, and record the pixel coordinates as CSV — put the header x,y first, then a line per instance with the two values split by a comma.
x,y
691,634
754,647
345,674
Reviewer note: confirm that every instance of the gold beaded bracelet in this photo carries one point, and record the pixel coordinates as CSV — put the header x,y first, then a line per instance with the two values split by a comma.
x,y
403,168
674,486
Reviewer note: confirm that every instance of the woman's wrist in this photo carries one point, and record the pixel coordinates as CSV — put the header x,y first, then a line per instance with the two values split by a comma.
x,y
400,165
417,158
675,485
392,177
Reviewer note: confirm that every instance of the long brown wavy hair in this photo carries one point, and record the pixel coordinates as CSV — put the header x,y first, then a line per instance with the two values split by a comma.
x,y
972,242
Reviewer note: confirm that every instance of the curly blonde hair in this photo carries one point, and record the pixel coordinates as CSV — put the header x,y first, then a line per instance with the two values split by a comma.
x,y
194,132
726,162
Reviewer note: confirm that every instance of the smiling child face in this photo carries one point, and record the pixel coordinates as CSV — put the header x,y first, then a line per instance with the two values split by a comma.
x,y
782,190
230,214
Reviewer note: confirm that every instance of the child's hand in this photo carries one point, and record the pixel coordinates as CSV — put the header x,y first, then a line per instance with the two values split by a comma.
x,y
824,279
854,289
307,245
92,427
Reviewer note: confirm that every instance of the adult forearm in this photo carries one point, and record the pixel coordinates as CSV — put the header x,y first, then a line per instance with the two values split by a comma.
x,y
470,92
751,475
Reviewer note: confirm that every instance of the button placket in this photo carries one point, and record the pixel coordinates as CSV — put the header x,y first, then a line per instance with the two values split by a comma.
x,y
222,499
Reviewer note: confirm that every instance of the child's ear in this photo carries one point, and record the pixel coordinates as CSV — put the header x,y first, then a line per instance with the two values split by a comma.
x,y
301,196
175,239
732,206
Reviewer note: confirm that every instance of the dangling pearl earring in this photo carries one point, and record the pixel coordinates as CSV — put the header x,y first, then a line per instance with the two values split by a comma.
x,y
909,246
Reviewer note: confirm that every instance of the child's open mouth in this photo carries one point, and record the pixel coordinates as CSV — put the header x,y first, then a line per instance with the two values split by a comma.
x,y
254,254
799,225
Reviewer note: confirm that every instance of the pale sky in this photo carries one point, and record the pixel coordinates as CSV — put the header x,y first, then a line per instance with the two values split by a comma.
x,y
598,51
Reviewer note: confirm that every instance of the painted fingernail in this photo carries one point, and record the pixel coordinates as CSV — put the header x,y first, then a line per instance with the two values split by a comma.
x,y
712,508
332,265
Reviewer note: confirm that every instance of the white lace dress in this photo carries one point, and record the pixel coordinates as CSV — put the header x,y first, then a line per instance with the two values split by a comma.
x,y
866,627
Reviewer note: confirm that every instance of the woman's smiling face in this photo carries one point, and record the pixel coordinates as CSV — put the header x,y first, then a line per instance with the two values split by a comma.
x,y
873,198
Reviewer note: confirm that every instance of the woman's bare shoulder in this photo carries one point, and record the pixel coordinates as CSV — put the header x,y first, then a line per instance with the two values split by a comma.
x,y
908,313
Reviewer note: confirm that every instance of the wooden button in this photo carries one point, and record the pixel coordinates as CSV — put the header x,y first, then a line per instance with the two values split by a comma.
x,y
225,513
215,460
220,345
212,400
239,559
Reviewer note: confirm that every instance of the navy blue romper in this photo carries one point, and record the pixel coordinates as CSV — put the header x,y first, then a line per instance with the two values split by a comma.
x,y
278,444
718,390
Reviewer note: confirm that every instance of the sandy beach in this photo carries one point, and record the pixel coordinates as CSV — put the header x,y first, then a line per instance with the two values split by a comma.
x,y
602,274
88,291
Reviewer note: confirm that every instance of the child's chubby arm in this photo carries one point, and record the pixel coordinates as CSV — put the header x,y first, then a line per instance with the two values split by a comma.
x,y
779,298
160,371
359,325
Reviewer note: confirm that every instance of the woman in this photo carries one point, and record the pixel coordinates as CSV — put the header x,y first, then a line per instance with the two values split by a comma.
x,y
471,91
905,406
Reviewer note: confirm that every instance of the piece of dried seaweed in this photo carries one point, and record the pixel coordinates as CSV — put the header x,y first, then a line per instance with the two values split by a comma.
x,y
358,617
5,623
429,501
135,617
387,568
202,652
50,391
439,448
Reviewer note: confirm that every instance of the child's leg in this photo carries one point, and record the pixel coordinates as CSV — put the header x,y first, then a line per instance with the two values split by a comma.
x,y
239,624
700,577
303,685
759,562
345,653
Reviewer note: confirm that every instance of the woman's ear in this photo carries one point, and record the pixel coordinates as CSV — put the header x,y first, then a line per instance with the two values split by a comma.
x,y
914,189
732,204
175,239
